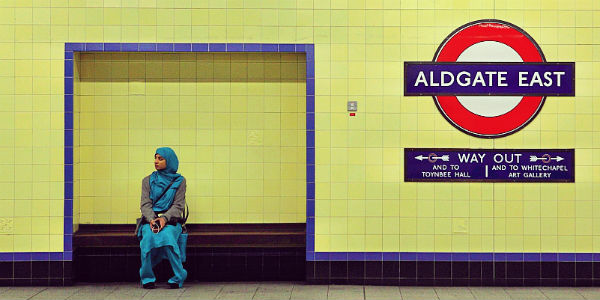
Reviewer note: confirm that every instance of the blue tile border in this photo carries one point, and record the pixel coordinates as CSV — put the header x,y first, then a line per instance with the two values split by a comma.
x,y
182,47
112,47
147,47
199,47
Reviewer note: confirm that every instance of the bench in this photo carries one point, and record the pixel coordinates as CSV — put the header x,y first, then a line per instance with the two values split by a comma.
x,y
215,252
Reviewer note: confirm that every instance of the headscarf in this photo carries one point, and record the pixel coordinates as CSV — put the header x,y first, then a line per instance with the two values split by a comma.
x,y
159,180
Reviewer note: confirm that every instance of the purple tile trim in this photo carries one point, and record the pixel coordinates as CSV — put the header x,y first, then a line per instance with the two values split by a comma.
x,y
566,256
443,256
56,256
531,257
217,47
68,238
499,256
408,256
481,256
22,256
68,225
94,47
356,256
164,47
321,255
310,173
68,155
300,47
69,138
133,47
310,69
6,256
68,54
68,186
235,47
310,139
113,47
338,256
514,256
373,256
584,257
310,256
68,255
310,157
425,256
310,54
74,46
310,208
549,257
68,67
68,118
252,47
270,48
310,121
310,225
69,85
310,192
310,103
391,256
199,47
40,256
310,242
68,209
183,47
68,106
596,256
287,48
310,86
460,256
148,47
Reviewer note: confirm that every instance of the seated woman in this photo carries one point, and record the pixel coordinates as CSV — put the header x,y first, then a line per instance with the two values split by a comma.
x,y
162,204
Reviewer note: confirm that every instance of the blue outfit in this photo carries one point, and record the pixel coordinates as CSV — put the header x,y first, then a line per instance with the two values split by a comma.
x,y
163,245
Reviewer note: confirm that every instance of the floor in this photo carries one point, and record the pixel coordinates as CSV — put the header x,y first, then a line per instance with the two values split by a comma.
x,y
291,290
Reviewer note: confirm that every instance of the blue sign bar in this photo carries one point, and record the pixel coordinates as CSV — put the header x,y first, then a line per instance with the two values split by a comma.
x,y
482,79
493,165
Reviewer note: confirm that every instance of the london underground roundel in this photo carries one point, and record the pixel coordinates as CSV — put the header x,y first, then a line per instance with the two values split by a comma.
x,y
489,78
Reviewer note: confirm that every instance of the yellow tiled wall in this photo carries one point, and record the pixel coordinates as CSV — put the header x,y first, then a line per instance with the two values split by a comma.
x,y
362,204
236,121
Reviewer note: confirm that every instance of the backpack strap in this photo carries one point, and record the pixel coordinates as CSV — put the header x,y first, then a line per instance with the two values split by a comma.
x,y
163,193
186,214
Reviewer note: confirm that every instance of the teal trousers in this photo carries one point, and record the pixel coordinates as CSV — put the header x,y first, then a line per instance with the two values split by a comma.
x,y
146,273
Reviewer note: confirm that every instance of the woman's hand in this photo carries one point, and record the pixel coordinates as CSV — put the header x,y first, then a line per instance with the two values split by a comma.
x,y
161,224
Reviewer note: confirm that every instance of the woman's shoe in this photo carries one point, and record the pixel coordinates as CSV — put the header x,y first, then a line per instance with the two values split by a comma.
x,y
149,285
173,285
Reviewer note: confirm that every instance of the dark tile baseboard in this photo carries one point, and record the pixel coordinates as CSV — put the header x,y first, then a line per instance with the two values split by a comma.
x,y
37,273
203,264
454,273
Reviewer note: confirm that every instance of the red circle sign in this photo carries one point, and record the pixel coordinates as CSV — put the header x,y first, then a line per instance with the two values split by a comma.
x,y
483,37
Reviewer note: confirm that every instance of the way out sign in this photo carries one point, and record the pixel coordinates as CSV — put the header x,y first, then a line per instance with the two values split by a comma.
x,y
489,78
489,165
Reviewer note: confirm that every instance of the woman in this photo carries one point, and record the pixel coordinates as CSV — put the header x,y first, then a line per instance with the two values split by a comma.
x,y
163,200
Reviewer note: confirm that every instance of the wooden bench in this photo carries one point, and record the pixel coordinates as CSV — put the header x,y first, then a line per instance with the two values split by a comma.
x,y
216,252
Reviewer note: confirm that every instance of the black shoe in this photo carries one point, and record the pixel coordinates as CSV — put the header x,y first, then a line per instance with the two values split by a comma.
x,y
149,285
173,285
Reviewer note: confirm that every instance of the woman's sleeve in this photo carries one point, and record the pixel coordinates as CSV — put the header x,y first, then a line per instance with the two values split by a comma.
x,y
176,209
146,202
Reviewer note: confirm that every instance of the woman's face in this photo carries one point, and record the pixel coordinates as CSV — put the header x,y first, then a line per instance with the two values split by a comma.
x,y
159,162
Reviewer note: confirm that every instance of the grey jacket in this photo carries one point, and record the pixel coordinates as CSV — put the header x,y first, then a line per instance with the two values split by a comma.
x,y
176,209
